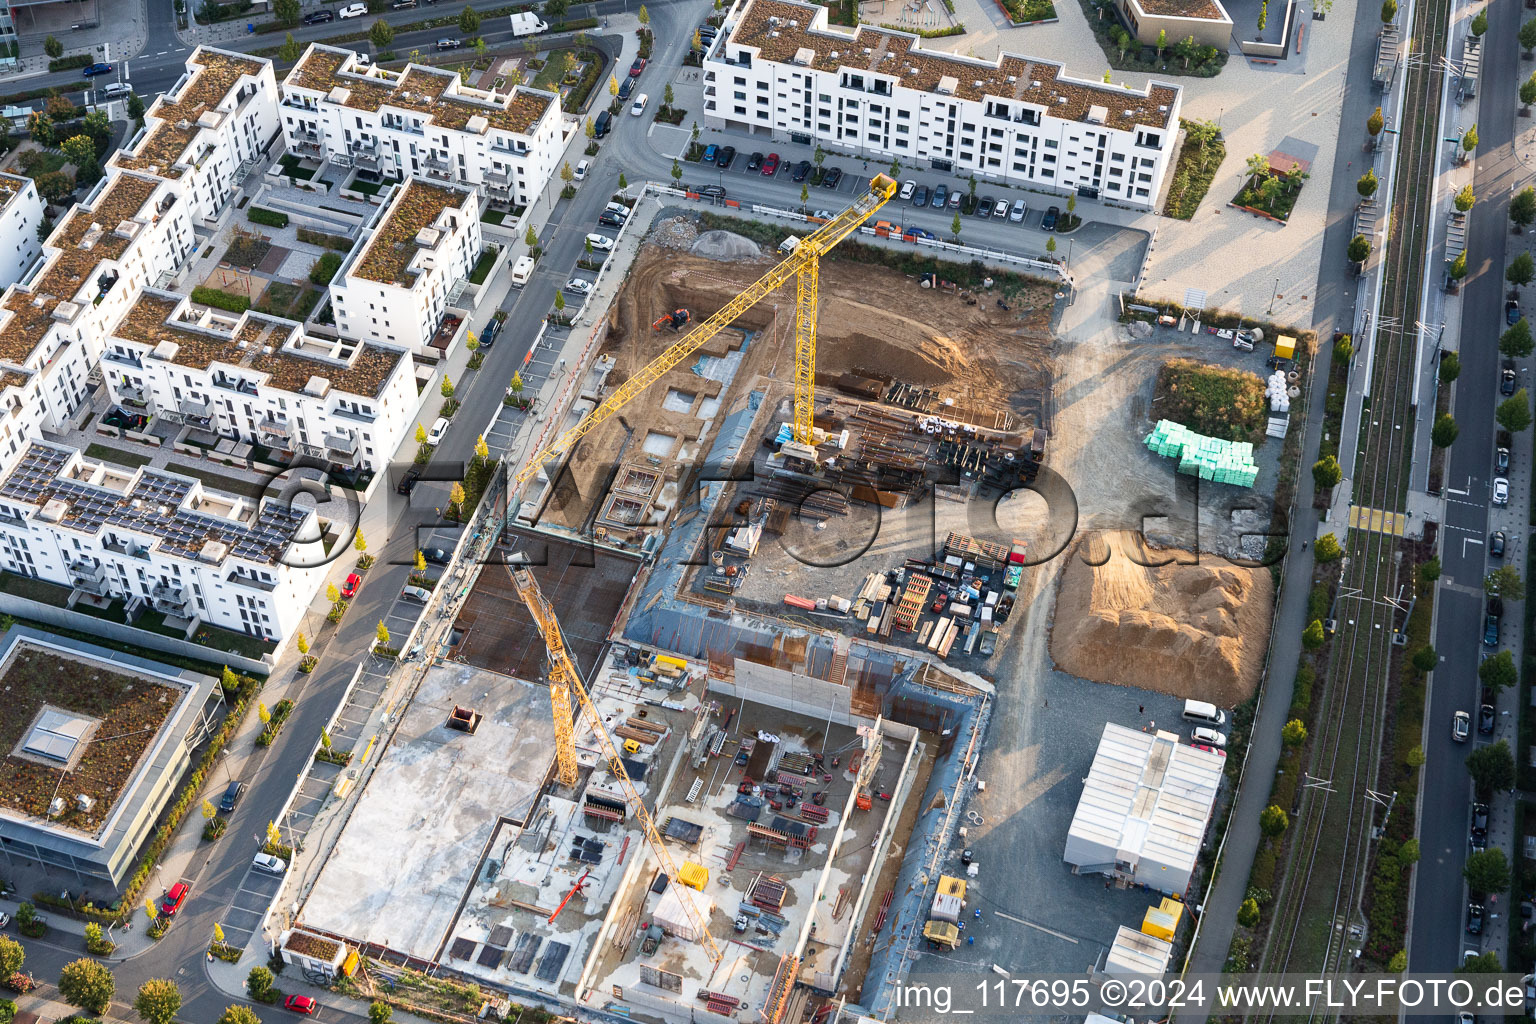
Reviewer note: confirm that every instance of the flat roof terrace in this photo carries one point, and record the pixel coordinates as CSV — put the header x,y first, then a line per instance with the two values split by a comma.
x,y
411,849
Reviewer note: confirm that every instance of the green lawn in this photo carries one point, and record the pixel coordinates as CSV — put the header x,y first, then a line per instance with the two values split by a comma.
x,y
490,216
483,265
292,169
227,640
116,456
367,188
218,482
34,589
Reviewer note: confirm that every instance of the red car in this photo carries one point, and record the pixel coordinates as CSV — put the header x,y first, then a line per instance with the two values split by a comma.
x,y
300,1004
172,901
637,67
349,588
771,165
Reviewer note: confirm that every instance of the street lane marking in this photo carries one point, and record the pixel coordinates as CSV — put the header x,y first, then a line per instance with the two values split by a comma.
x,y
1037,927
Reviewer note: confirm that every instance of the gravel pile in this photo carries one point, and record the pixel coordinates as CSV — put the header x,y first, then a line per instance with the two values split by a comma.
x,y
725,245
675,233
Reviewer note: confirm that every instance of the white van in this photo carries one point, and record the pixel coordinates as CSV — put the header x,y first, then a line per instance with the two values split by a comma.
x,y
1201,713
522,270
582,167
435,435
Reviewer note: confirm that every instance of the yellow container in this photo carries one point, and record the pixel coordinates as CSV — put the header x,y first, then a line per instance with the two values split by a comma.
x,y
695,876
949,885
1285,347
1163,921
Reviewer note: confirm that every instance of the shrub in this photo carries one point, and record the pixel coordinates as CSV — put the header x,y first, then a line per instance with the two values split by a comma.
x,y
1273,821
271,218
1327,549
206,296
1248,913
69,63
259,984
326,266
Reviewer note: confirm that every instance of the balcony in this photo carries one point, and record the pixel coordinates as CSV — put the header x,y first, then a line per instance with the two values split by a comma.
x,y
276,428
98,588
126,547
343,444
499,182
134,396
439,168
196,410
125,358
239,384
304,145
348,414
177,606
84,570
241,579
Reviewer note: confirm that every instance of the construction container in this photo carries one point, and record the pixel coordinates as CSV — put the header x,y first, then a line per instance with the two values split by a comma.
x,y
667,659
1163,921
952,886
946,908
942,934
863,802
1285,347
695,876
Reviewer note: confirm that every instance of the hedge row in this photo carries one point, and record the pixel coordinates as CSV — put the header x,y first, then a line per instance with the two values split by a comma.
x,y
206,296
271,218
69,63
338,242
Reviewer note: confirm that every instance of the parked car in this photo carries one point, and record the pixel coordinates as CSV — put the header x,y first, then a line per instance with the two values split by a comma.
x,y
940,196
638,107
608,219
579,285
171,902
802,171
727,155
913,234
771,165
1501,460
1500,490
984,206
1048,222
920,197
349,588
1461,726
955,199
637,67
831,176
489,331
408,480
1511,312
1496,544
1210,737
1485,718
299,1004
420,594
1479,821
231,796
1001,209
709,153
353,11
1474,919
1490,631
319,17
435,435
755,162
713,191
1016,215
625,88
437,556
1507,382
268,864
92,70
602,243
907,188
403,5
448,44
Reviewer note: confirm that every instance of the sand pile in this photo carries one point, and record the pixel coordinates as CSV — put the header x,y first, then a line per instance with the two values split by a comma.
x,y
1195,631
725,245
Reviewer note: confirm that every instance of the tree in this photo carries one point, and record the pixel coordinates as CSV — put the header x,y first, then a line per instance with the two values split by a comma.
x,y
1487,871
556,8
1293,733
381,34
1248,913
456,496
1408,853
819,154
677,170
209,811
1482,963
1450,367
291,50
263,713
1429,571
1313,637
1050,245
516,384
1492,768
136,108
1514,413
1458,268
1465,198
805,194
259,984
79,150
159,998
1528,36
1505,582
1327,549
1109,76
12,956
55,187
1359,249
1443,433
379,1013
61,108
1498,672
331,593
590,130
1521,270
1516,340
1527,95
381,634
469,21
1425,659
1326,473
482,450
1367,185
286,11
567,62
643,16
446,388
1399,962
40,127
53,48
954,227
1388,11
623,182
1480,23
1162,42
613,83
1273,821
421,562
1185,49
421,434
1522,208
666,95
239,1015
88,984
359,543
1375,123
301,643
559,302
1469,139
1121,39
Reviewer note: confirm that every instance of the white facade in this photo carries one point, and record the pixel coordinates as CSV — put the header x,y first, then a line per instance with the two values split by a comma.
x,y
21,213
421,121
1144,809
393,288
778,70
262,380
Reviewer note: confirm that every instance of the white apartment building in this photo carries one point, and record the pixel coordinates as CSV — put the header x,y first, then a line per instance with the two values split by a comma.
x,y
395,285
421,121
262,380
778,70
21,213
153,537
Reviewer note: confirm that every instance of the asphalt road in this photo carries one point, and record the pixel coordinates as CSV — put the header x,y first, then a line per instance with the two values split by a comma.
x,y
1438,937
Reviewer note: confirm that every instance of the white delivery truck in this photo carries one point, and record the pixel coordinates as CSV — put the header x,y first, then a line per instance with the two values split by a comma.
x,y
528,24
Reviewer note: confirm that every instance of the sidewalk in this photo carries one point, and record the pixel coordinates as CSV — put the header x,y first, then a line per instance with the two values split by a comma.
x,y
119,35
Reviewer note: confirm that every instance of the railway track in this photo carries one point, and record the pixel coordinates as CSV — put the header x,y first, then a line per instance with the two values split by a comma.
x,y
1316,916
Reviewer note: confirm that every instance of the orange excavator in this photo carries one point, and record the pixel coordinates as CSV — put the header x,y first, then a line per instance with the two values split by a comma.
x,y
675,319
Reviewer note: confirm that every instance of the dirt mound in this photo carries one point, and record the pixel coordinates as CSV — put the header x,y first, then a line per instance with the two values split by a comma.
x,y
1195,631
725,245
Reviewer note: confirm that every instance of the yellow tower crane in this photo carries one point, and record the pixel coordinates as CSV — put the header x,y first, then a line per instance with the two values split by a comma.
x,y
565,680
803,266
